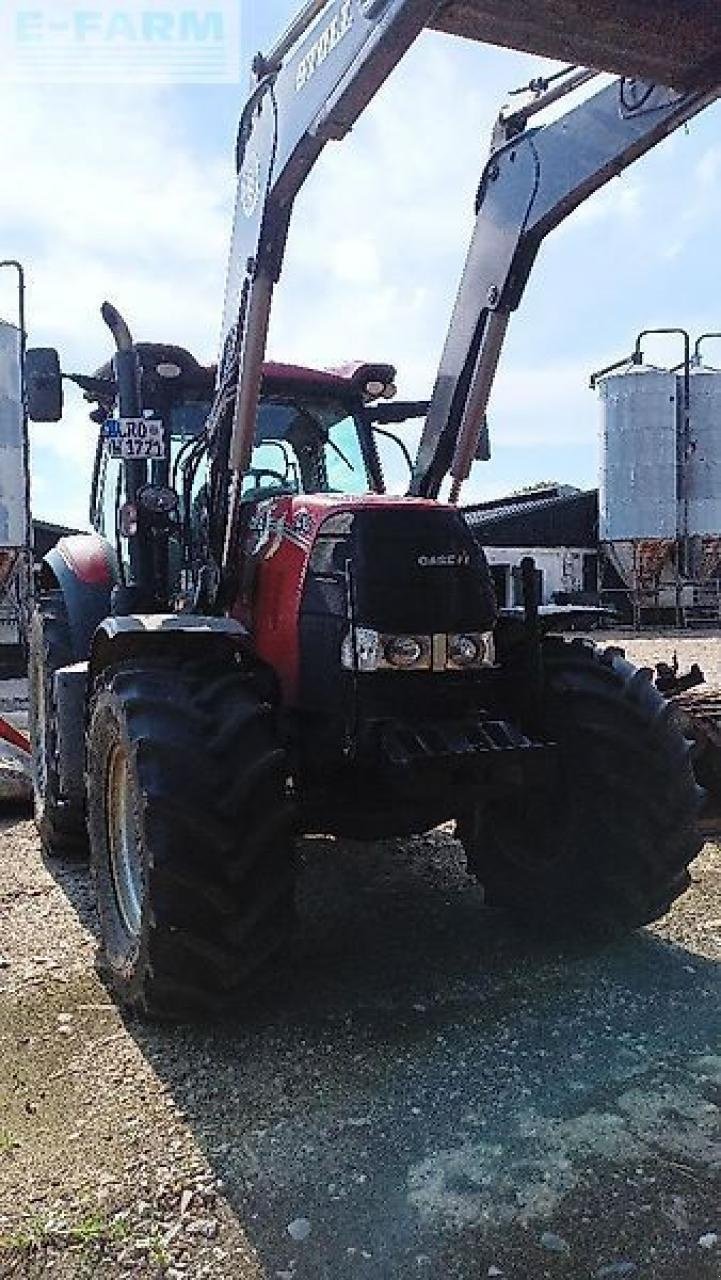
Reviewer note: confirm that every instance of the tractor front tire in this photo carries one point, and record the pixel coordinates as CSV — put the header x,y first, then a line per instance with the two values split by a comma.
x,y
60,823
607,847
191,831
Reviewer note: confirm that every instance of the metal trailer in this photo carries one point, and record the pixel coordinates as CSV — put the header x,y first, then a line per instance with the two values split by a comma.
x,y
15,530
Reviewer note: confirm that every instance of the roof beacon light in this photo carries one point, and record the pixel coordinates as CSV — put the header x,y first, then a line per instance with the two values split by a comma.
x,y
169,370
376,390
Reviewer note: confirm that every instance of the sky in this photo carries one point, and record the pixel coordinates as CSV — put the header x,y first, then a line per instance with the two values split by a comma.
x,y
127,193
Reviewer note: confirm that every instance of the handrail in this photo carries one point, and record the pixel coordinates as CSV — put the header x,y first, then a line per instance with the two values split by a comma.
x,y
571,79
611,368
699,343
298,27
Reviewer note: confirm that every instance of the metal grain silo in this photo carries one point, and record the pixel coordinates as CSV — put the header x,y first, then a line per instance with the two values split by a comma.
x,y
702,469
660,484
639,455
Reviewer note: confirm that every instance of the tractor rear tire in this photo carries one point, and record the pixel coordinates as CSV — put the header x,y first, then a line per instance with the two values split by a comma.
x,y
608,846
192,837
60,823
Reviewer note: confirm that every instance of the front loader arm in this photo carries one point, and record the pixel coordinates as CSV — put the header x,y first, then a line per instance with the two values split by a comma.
x,y
300,102
311,89
531,183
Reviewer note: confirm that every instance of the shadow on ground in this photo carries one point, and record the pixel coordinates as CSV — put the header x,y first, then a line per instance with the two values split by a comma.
x,y
430,1094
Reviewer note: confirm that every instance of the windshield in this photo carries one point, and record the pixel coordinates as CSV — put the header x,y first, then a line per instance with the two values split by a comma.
x,y
302,446
313,446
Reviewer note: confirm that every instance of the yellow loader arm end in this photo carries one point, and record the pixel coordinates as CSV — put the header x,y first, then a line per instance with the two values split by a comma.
x,y
672,42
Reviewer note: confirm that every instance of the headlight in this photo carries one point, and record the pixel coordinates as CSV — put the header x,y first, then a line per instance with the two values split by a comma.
x,y
368,650
465,650
158,500
362,650
470,649
403,651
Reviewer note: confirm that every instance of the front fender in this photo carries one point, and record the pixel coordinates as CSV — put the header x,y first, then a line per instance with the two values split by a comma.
x,y
85,569
159,635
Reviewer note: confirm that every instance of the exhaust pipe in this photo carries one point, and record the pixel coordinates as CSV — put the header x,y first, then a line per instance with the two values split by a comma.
x,y
117,326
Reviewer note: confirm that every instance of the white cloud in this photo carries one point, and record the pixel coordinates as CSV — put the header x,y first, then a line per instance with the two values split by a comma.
x,y
381,230
355,261
708,169
623,201
104,198
550,404
107,175
119,207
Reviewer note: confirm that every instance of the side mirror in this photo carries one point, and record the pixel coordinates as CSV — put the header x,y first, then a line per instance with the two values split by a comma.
x,y
43,385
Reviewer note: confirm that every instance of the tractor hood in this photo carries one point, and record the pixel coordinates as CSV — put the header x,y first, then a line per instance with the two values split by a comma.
x,y
414,567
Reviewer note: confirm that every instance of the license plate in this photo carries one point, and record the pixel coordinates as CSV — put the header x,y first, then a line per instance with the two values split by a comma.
x,y
134,438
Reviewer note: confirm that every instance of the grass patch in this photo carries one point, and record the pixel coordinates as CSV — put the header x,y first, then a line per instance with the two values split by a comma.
x,y
8,1144
43,1233
97,1230
159,1253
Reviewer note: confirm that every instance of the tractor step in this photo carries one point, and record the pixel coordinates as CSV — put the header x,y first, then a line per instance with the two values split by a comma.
x,y
407,745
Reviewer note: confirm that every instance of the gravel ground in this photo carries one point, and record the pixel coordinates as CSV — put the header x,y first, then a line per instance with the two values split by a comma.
x,y
429,1094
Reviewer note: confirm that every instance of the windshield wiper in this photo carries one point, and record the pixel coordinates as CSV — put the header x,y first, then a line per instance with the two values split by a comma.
x,y
322,432
337,449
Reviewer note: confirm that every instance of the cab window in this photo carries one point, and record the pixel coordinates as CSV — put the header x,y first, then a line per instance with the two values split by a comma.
x,y
108,496
345,464
312,446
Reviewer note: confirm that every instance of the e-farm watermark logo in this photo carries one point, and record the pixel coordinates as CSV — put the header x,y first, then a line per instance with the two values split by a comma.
x,y
120,41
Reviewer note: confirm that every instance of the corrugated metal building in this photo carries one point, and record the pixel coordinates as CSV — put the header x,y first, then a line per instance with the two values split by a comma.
x,y
45,536
558,526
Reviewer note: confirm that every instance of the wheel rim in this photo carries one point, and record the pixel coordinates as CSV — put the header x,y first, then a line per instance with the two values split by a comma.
x,y
126,862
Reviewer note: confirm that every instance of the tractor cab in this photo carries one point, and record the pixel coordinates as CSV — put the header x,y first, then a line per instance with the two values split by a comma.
x,y
315,429
314,433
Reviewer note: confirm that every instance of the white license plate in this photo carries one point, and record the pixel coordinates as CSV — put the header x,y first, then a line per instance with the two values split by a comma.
x,y
135,438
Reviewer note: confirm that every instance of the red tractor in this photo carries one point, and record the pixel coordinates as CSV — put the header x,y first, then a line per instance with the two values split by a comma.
x,y
257,641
